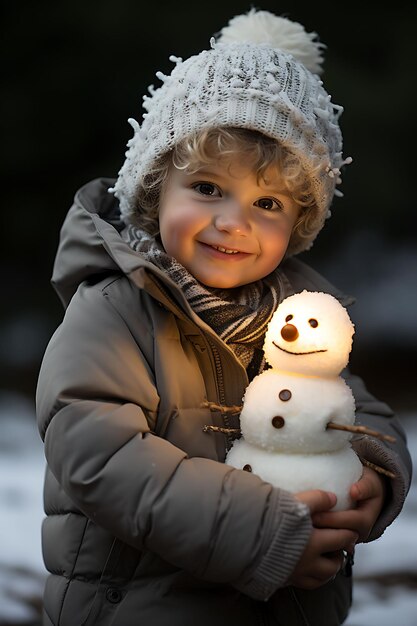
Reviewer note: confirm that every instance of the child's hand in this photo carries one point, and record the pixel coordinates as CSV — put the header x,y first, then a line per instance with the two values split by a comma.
x,y
369,495
323,556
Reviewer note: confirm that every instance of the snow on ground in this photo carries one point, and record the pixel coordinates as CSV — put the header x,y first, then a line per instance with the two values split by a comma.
x,y
21,511
382,595
393,558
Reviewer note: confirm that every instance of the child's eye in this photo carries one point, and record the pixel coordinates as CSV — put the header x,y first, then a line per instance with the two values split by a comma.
x,y
207,189
269,204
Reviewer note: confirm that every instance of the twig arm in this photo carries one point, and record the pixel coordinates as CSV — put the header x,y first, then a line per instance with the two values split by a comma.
x,y
221,429
377,468
233,409
356,428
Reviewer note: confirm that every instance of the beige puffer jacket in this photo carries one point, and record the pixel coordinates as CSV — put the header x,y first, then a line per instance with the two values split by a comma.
x,y
145,523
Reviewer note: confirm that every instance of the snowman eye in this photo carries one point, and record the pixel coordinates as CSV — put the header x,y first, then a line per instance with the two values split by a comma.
x,y
289,317
313,323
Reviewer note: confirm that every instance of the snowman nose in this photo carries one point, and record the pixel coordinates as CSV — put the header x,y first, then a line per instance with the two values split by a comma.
x,y
289,332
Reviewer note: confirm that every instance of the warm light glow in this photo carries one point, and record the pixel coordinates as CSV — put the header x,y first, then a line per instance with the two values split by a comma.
x,y
298,417
310,334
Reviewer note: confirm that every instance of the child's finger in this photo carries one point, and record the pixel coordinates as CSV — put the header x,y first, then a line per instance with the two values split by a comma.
x,y
335,519
317,500
368,486
362,490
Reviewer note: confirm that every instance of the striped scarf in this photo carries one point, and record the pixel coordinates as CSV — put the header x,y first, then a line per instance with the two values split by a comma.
x,y
239,316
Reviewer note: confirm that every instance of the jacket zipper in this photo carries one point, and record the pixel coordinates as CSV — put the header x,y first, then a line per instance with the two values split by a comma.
x,y
216,355
220,389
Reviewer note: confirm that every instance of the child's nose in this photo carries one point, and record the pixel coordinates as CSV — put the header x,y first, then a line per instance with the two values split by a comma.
x,y
233,218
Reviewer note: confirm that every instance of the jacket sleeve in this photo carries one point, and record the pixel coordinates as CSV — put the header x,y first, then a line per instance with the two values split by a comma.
x,y
394,457
95,394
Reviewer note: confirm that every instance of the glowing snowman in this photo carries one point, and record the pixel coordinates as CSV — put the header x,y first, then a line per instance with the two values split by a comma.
x,y
294,415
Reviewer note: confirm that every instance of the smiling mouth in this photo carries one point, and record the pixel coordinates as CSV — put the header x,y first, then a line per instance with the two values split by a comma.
x,y
225,250
297,353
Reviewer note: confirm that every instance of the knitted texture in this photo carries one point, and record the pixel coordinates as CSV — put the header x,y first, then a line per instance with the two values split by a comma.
x,y
247,85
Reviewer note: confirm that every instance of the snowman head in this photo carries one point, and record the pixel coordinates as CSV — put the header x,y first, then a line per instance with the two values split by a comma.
x,y
311,334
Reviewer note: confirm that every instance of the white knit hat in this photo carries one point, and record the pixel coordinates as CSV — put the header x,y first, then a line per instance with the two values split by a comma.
x,y
260,74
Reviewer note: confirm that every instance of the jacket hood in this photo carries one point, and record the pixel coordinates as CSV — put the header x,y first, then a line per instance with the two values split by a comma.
x,y
90,246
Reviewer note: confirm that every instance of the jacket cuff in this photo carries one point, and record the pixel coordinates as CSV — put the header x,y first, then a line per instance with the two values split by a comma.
x,y
376,452
286,535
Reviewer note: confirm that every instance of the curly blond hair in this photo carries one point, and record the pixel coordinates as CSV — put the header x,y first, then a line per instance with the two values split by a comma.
x,y
256,150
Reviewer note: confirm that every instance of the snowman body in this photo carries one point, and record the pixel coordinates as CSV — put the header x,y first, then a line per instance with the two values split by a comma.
x,y
286,410
286,442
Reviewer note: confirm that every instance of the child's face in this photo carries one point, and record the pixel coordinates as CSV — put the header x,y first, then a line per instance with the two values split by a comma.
x,y
223,225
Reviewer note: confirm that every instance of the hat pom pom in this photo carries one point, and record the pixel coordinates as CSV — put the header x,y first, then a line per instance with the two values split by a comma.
x,y
279,32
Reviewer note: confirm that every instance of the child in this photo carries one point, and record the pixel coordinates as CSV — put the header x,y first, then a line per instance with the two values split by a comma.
x,y
169,279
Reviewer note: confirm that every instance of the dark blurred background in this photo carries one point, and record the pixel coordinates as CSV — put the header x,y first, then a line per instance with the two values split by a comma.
x,y
73,72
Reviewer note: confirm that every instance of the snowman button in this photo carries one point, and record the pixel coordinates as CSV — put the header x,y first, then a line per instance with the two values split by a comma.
x,y
285,395
247,468
278,421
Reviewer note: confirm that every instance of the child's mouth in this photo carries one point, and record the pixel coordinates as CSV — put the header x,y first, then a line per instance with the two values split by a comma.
x,y
225,250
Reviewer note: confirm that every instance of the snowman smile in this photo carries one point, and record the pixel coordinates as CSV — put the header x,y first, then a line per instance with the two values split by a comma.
x,y
297,353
